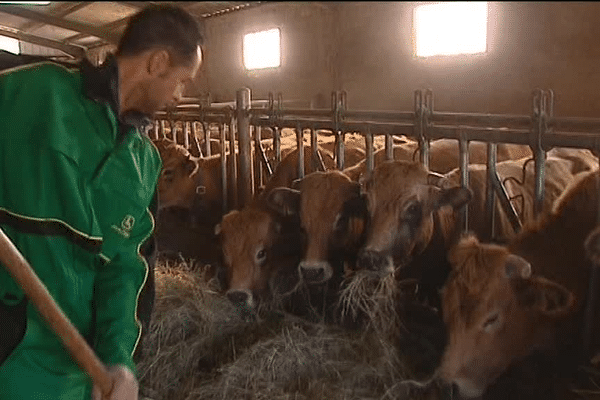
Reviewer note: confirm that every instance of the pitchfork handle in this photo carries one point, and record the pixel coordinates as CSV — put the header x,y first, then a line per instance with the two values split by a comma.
x,y
38,294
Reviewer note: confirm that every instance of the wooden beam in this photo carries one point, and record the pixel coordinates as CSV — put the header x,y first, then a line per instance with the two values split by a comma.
x,y
62,23
75,51
59,11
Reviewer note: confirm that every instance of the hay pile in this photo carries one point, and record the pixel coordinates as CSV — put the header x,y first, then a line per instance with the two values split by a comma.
x,y
199,347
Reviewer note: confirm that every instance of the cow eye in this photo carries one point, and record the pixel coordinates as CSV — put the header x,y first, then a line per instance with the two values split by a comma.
x,y
261,255
491,322
413,212
168,174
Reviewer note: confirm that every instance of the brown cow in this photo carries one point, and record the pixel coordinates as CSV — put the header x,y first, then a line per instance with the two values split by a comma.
x,y
410,234
503,302
256,226
332,215
443,155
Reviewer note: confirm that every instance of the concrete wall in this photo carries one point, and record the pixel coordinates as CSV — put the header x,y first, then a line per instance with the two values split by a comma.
x,y
306,52
366,49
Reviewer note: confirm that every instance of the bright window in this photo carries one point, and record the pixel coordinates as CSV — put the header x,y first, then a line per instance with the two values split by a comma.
x,y
9,44
262,49
451,28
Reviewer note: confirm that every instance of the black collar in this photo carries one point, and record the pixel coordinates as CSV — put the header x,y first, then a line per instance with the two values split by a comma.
x,y
101,84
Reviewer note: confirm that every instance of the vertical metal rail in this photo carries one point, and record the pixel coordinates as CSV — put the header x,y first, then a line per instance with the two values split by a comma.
x,y
206,134
156,123
370,151
539,123
242,100
224,168
195,139
426,112
490,202
300,147
233,176
186,134
314,150
463,152
258,175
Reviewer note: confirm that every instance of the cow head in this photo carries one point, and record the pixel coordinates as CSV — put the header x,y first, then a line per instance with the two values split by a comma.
x,y
332,215
255,244
177,183
496,312
402,198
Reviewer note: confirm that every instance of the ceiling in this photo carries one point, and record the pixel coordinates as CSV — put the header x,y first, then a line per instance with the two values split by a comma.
x,y
75,28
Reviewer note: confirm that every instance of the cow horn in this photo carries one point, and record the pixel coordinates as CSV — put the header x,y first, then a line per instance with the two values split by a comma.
x,y
517,267
433,178
217,229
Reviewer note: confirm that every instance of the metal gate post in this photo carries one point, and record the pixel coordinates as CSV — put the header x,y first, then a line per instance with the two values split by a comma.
x,y
463,151
490,202
242,102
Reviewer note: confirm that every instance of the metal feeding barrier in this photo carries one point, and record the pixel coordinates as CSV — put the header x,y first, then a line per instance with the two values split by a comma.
x,y
235,124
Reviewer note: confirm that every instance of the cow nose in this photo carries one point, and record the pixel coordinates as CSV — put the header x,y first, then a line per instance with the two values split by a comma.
x,y
314,272
371,260
238,297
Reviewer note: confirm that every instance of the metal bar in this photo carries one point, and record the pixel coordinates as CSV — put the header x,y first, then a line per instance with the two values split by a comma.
x,y
538,150
477,118
186,134
389,147
490,197
370,158
511,214
206,134
463,153
300,147
340,150
233,175
60,22
277,146
223,168
258,176
314,151
195,140
70,49
243,129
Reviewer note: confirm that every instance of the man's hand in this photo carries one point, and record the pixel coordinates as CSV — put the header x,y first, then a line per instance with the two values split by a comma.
x,y
125,386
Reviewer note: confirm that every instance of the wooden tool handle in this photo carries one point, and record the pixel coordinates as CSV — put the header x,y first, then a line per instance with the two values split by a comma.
x,y
37,293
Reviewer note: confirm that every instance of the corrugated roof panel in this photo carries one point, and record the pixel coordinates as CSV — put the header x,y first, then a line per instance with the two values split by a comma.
x,y
101,13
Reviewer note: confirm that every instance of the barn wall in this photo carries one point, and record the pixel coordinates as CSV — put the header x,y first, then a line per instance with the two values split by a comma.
x,y
366,49
307,54
548,45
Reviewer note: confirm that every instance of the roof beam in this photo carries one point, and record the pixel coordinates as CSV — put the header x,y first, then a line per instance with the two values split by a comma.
x,y
114,26
75,51
62,23
60,11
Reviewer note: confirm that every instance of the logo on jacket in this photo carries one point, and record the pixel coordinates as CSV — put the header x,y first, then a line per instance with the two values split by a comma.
x,y
126,226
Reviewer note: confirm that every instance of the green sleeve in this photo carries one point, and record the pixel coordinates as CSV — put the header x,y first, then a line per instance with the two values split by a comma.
x,y
116,291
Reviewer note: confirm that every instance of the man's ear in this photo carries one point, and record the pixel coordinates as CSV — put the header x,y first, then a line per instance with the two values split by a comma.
x,y
159,62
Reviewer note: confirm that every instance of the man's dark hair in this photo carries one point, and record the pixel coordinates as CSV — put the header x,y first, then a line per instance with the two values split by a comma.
x,y
158,26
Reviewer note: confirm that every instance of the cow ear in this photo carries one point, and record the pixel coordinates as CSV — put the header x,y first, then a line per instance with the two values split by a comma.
x,y
283,200
547,298
190,166
592,246
456,197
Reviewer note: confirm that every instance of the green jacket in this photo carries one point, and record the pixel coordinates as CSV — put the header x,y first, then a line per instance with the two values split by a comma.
x,y
75,186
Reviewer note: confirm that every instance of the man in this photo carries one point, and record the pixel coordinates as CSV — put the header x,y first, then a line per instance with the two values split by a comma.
x,y
77,178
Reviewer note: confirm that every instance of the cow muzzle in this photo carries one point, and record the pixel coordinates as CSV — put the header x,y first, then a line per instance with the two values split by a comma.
x,y
315,272
370,260
244,302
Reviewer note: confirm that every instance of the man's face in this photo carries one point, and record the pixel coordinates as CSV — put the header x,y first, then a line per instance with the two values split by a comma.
x,y
166,88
